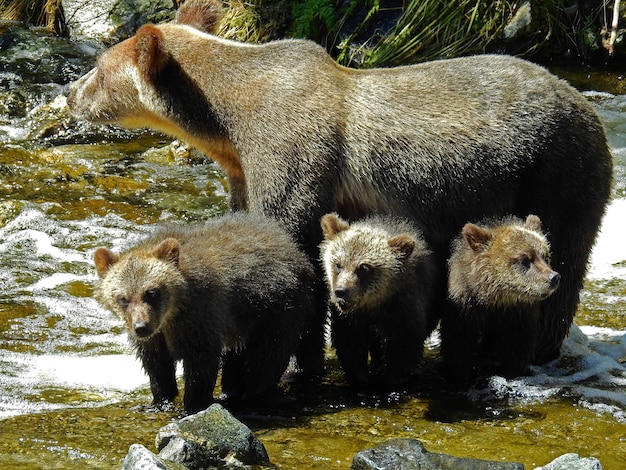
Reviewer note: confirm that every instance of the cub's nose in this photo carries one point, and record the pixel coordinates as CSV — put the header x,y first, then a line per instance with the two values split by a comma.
x,y
555,279
142,329
341,293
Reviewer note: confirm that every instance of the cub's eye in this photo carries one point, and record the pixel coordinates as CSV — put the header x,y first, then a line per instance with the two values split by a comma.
x,y
337,266
524,262
152,297
123,302
364,270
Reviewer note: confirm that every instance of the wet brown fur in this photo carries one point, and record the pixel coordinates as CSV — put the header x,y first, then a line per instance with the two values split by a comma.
x,y
499,273
236,291
381,277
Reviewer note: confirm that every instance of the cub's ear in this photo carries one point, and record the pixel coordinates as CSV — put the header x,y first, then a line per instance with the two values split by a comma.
x,y
332,224
402,245
476,237
168,250
150,57
533,222
104,259
203,15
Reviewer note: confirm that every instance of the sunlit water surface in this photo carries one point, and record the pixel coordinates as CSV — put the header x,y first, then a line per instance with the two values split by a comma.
x,y
71,392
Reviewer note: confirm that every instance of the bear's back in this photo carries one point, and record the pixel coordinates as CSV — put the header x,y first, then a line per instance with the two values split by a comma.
x,y
242,253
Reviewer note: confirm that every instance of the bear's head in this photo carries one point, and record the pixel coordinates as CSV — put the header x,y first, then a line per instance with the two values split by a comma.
x,y
129,83
362,263
142,286
503,264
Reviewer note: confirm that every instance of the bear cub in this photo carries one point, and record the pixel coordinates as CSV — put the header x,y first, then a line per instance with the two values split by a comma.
x,y
499,273
236,292
380,277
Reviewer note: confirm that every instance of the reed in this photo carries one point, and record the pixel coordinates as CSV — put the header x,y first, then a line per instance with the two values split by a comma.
x,y
46,13
430,29
241,22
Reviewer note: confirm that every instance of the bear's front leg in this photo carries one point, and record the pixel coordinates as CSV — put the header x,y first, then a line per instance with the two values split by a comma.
x,y
200,377
518,338
460,335
160,366
351,340
402,350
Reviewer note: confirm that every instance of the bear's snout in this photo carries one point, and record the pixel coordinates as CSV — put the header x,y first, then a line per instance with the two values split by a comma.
x,y
341,295
142,329
67,89
555,279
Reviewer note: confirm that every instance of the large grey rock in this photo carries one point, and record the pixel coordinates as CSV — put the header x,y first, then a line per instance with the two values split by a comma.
x,y
212,437
410,454
572,462
140,458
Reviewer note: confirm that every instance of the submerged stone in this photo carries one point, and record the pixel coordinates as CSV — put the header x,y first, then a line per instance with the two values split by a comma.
x,y
410,454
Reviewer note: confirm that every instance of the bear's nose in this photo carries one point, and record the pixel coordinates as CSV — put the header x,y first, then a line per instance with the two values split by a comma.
x,y
67,90
341,292
555,279
142,329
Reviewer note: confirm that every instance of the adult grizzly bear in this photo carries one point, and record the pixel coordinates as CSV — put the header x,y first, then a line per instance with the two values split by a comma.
x,y
236,291
300,136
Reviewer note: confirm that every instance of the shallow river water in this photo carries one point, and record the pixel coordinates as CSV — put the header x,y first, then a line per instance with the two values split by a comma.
x,y
71,392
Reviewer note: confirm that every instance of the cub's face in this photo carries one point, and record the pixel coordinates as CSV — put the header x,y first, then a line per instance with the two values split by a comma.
x,y
361,264
141,288
523,258
504,265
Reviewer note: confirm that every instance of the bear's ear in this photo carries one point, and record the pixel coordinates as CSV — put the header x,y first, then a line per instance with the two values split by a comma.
x,y
168,250
203,15
332,224
533,222
402,245
150,57
104,259
476,237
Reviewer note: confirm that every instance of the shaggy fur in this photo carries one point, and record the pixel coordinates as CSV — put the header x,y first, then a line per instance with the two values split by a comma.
x,y
499,273
380,277
237,290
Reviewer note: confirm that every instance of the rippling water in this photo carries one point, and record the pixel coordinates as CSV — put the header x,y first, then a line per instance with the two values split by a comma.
x,y
62,355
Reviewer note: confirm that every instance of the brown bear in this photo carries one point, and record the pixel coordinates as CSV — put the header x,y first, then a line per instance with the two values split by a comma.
x,y
499,273
299,136
237,291
381,279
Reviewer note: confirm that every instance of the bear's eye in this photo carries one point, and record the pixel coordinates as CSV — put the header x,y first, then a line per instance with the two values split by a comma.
x,y
123,302
337,267
152,297
525,262
364,270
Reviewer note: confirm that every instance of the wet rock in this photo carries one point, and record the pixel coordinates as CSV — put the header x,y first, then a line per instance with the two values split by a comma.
x,y
518,26
129,15
572,462
210,438
140,457
39,57
410,454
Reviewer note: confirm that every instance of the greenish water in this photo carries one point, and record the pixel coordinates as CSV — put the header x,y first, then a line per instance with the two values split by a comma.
x,y
71,393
